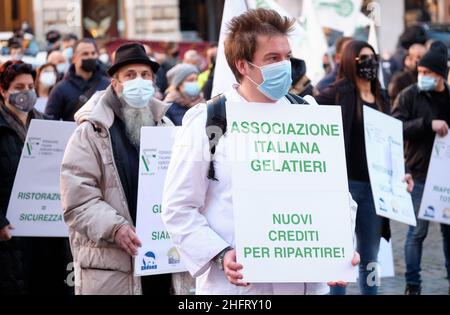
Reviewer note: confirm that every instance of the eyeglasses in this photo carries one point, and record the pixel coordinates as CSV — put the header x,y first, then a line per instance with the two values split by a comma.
x,y
362,58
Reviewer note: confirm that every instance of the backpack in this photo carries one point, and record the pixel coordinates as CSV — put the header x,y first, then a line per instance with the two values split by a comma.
x,y
216,124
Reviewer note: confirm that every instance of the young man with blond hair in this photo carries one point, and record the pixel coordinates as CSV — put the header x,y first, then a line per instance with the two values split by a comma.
x,y
198,211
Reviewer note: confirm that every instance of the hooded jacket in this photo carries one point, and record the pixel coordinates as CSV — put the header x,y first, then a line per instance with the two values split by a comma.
x,y
94,201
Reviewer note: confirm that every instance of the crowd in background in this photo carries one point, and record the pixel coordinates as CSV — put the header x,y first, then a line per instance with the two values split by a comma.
x,y
416,92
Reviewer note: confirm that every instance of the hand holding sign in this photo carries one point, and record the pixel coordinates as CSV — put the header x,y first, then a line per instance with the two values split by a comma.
x,y
440,127
355,262
232,269
5,233
409,182
127,239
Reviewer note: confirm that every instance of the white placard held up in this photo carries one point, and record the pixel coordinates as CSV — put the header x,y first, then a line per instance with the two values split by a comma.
x,y
435,205
385,161
157,255
290,193
35,205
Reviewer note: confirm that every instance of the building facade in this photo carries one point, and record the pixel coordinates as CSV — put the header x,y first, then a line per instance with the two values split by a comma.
x,y
175,20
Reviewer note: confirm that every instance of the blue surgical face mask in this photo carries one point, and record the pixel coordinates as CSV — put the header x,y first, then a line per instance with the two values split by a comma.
x,y
137,93
68,53
277,79
426,83
191,89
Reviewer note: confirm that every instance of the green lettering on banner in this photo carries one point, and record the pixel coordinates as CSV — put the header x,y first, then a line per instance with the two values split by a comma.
x,y
309,252
38,196
160,235
257,252
288,166
156,208
281,128
33,217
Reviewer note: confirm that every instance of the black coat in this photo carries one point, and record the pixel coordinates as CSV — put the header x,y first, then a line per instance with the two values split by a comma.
x,y
28,265
344,93
73,91
417,111
176,113
13,278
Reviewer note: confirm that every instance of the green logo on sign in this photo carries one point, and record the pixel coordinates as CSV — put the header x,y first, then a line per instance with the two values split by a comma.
x,y
149,160
343,8
31,144
262,4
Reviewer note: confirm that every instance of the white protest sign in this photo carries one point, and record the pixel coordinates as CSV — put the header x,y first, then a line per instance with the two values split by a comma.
x,y
385,161
223,76
290,193
307,40
157,254
435,205
341,15
35,205
386,259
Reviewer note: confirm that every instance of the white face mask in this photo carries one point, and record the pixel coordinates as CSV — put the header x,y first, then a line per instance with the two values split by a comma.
x,y
137,93
48,79
104,58
62,67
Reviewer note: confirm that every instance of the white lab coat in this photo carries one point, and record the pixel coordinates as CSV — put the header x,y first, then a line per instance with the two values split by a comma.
x,y
198,212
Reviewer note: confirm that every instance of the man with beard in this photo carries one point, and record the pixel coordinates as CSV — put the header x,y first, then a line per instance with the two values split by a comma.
x,y
99,178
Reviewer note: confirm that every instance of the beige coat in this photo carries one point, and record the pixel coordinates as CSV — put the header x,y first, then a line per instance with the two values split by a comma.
x,y
94,202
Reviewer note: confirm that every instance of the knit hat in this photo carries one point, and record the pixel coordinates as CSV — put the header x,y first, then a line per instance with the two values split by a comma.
x,y
298,69
181,71
436,59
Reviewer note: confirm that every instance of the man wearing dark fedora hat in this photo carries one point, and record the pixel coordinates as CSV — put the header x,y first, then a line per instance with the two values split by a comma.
x,y
99,178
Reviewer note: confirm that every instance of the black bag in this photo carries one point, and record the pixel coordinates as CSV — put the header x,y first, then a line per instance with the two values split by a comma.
x,y
216,124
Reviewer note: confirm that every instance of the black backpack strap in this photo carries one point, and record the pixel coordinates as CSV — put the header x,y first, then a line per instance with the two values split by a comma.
x,y
216,126
295,99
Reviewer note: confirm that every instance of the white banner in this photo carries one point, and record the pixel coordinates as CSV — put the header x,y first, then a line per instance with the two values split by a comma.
x,y
290,193
307,41
341,15
435,205
157,254
385,161
386,259
35,204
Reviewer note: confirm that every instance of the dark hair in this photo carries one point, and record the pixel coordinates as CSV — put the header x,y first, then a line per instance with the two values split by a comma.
x,y
415,34
243,31
37,83
12,69
69,36
85,41
340,44
348,68
53,36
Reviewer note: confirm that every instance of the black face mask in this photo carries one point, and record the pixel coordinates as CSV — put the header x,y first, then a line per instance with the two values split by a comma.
x,y
309,90
368,69
89,65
